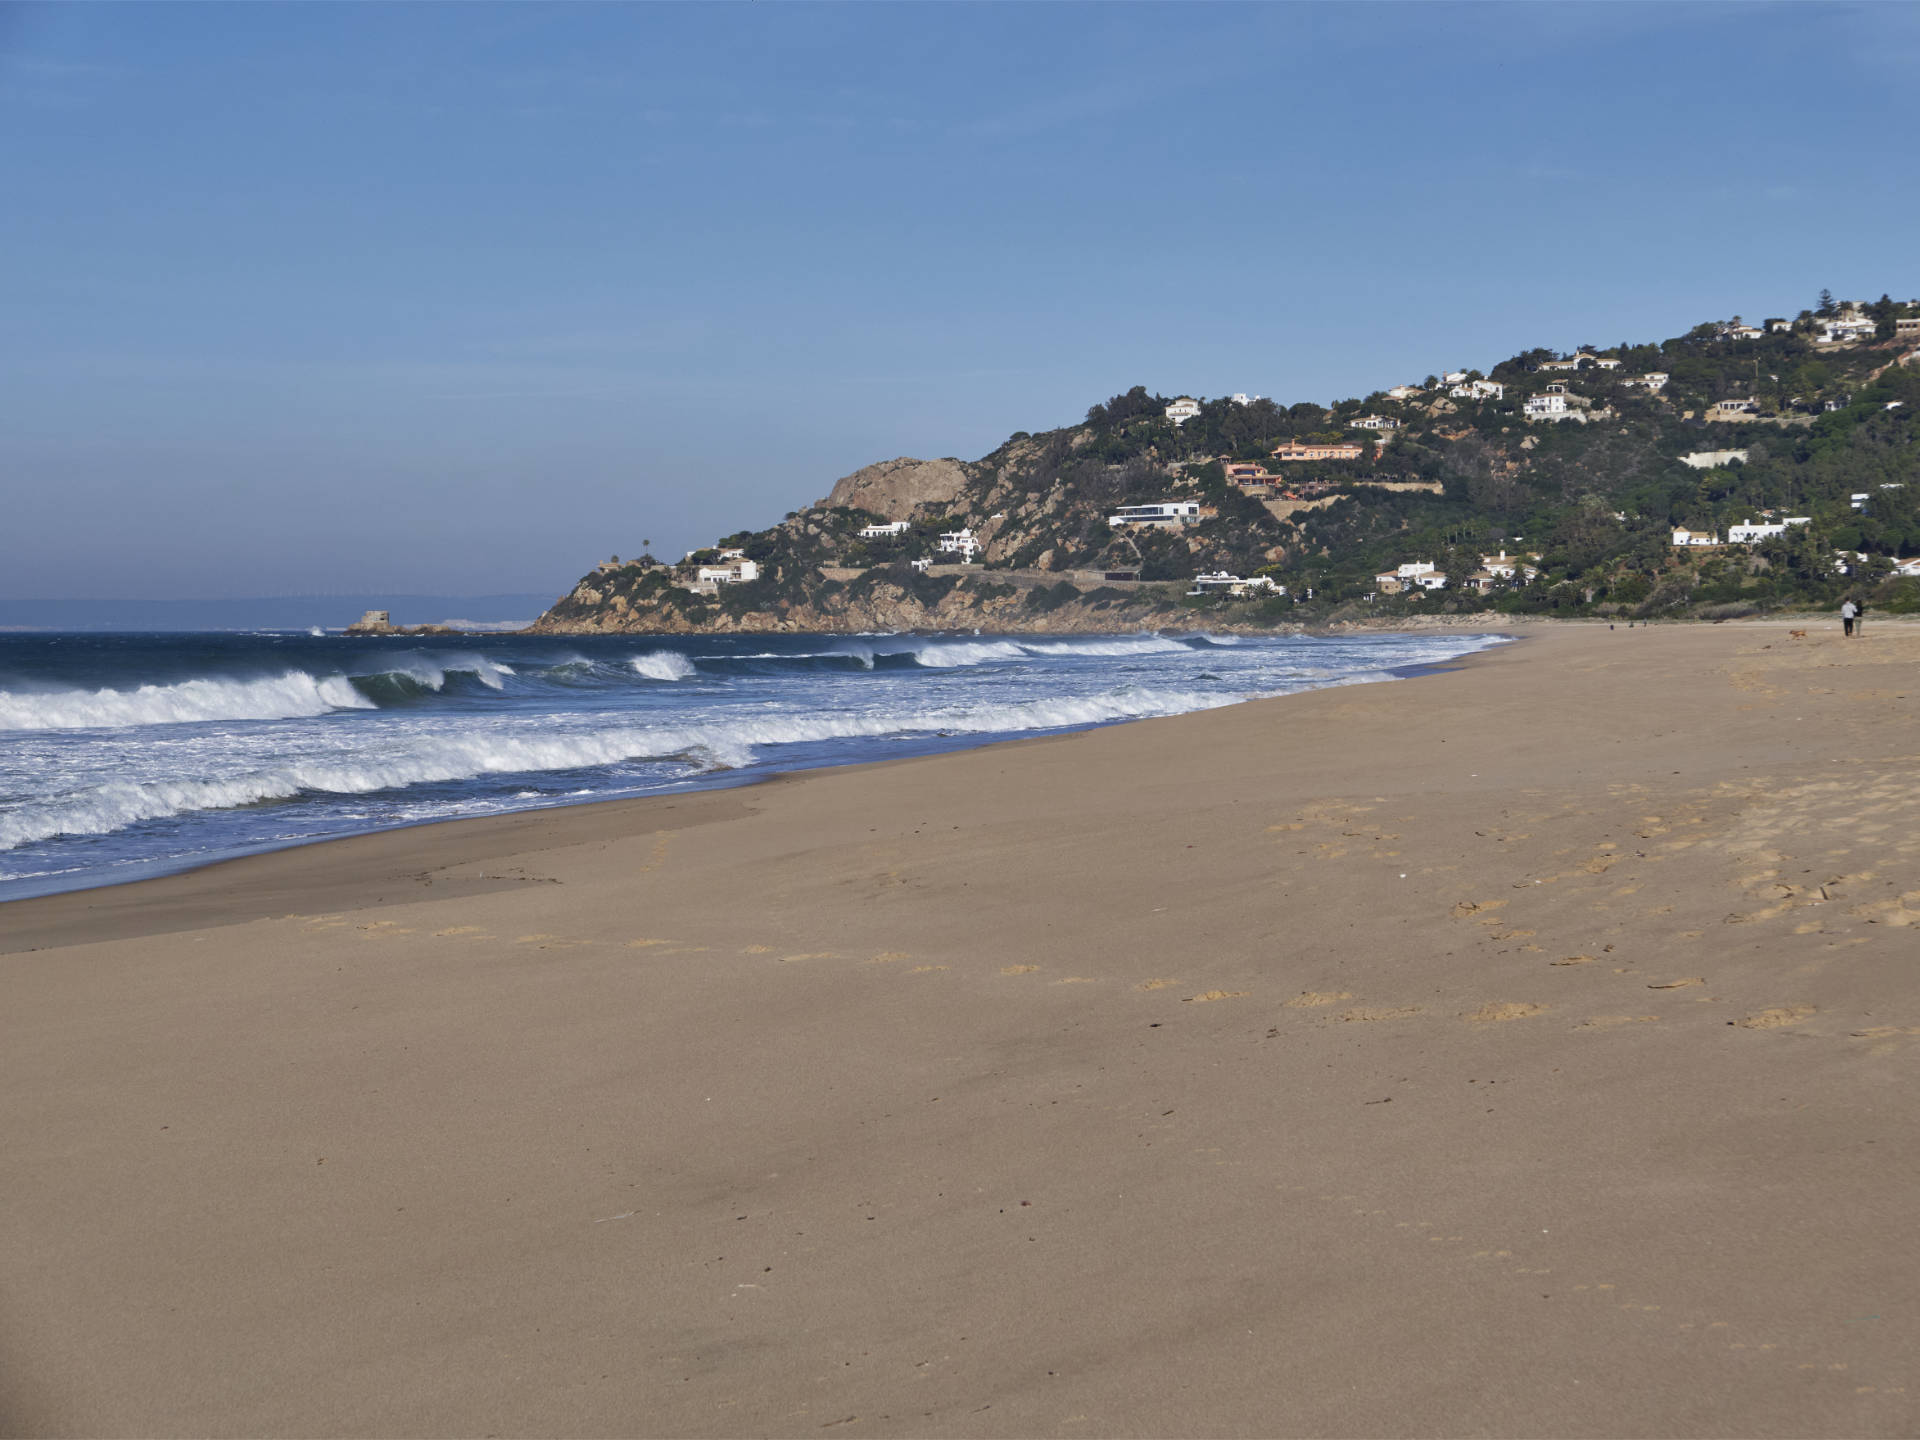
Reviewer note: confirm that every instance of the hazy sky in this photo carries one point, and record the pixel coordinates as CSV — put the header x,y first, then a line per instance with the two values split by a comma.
x,y
462,298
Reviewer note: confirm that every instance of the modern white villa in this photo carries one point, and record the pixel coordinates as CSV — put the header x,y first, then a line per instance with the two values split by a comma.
x,y
884,532
1220,582
1183,410
1167,513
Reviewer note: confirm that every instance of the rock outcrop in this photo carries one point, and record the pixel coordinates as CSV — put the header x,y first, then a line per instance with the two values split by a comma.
x,y
895,489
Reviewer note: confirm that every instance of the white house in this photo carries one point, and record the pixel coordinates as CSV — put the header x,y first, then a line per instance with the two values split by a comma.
x,y
1244,400
1545,407
1506,567
884,532
1751,534
1741,332
1171,512
1217,581
1733,410
1712,459
1375,422
1654,380
737,572
1478,390
1606,362
961,543
1404,392
1685,539
1907,567
1454,377
1423,573
1572,362
1183,410
1838,332
1858,499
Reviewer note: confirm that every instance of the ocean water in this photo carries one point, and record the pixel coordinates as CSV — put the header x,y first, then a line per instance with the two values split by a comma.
x,y
123,756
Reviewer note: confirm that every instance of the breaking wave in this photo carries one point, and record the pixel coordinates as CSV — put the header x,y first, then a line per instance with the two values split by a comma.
x,y
280,697
396,764
662,665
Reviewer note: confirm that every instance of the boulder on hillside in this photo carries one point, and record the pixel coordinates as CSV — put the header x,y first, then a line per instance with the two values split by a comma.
x,y
895,488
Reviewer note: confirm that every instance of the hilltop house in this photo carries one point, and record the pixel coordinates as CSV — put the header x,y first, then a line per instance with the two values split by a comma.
x,y
1555,405
1907,567
1654,380
1751,534
1167,513
1240,472
1479,390
884,532
1712,459
1733,410
961,543
1183,410
1244,400
1375,422
1606,362
1311,450
737,571
1907,328
1404,392
1694,539
1845,330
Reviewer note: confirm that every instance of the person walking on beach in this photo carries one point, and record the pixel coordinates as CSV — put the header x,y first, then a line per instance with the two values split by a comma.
x,y
1847,611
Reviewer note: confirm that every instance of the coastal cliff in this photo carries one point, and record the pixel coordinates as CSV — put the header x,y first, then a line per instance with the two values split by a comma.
x,y
1593,483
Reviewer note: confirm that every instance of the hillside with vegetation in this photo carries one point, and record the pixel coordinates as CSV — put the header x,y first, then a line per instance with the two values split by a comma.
x,y
1571,465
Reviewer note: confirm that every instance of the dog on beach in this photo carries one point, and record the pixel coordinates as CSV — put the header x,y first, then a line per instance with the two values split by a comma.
x,y
1797,634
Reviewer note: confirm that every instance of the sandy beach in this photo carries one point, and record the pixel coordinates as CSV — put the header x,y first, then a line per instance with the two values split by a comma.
x,y
1526,1049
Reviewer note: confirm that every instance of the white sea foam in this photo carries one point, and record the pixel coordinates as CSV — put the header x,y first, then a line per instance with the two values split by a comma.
x,y
278,697
663,665
394,764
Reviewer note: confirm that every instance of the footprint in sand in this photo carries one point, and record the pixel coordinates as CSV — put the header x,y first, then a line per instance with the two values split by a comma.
x,y
1157,984
744,949
808,955
1576,960
1018,969
1608,1022
1774,1018
1313,999
1678,984
887,957
479,930
1206,996
1495,1011
925,969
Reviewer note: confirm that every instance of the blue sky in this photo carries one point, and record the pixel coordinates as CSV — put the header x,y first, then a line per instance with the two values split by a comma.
x,y
462,298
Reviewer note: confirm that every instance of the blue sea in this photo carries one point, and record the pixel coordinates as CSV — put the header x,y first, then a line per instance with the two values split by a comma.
x,y
123,756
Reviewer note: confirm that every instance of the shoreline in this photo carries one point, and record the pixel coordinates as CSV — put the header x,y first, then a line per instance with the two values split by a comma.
x,y
1521,1052
163,870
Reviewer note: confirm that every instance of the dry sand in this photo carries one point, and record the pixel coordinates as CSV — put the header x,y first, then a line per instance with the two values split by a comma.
x,y
1523,1050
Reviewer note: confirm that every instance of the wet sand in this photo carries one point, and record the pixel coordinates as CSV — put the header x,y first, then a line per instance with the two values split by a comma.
x,y
1522,1050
